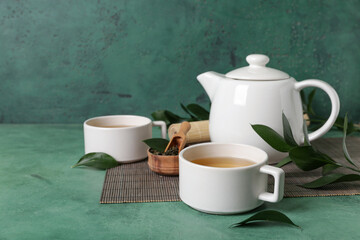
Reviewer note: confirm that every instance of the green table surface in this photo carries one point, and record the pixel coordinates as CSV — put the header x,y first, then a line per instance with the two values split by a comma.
x,y
41,197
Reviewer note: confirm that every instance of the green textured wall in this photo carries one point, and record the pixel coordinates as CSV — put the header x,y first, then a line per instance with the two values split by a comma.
x,y
65,61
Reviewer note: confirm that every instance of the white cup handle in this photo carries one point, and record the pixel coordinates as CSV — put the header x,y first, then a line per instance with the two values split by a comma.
x,y
335,104
162,125
279,177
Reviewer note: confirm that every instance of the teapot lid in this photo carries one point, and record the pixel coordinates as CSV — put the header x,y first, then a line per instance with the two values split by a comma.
x,y
257,70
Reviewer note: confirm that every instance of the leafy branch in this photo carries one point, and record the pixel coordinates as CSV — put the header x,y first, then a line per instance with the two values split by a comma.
x,y
194,112
316,121
306,157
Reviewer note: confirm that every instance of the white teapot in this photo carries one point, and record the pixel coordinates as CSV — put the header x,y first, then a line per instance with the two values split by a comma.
x,y
257,94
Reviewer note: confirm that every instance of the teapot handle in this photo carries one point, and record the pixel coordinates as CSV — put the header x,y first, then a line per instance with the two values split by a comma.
x,y
335,104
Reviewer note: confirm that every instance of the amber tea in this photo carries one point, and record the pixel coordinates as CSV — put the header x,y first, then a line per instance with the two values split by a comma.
x,y
223,162
118,126
112,126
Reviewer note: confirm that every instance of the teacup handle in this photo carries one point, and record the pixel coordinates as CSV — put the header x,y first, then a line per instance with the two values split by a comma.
x,y
335,104
279,177
162,125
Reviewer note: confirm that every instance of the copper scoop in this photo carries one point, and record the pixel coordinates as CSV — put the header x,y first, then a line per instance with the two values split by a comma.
x,y
179,138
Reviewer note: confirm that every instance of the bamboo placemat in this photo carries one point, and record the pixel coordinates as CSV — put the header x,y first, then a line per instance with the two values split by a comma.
x,y
134,182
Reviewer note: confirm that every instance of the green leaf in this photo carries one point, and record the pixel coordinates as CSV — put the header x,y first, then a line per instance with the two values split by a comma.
x,y
346,153
339,123
288,135
200,112
267,216
191,117
310,100
327,168
303,101
306,158
274,139
327,157
187,111
166,116
160,116
173,118
331,178
158,144
313,127
97,160
283,162
306,134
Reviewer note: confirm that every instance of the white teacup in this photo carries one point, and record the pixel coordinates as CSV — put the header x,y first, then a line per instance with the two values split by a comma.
x,y
120,136
227,190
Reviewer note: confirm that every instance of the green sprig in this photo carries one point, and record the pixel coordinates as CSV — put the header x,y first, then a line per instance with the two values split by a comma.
x,y
194,111
306,157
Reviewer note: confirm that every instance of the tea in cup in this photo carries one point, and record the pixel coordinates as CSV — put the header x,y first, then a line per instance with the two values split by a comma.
x,y
120,136
227,178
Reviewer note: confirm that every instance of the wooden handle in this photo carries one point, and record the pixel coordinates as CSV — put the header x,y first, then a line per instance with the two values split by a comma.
x,y
184,128
199,132
179,139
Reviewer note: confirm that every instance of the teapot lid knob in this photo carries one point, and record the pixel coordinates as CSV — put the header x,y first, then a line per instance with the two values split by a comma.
x,y
257,70
258,60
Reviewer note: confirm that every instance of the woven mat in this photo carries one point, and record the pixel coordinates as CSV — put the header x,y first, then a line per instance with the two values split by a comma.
x,y
134,182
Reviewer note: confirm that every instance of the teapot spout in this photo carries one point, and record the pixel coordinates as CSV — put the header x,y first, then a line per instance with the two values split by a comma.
x,y
210,82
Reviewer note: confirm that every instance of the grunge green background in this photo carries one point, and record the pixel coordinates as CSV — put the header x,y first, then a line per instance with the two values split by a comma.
x,y
66,61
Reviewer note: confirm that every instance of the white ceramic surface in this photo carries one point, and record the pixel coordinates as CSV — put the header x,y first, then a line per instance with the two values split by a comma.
x,y
257,70
258,95
124,144
227,190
